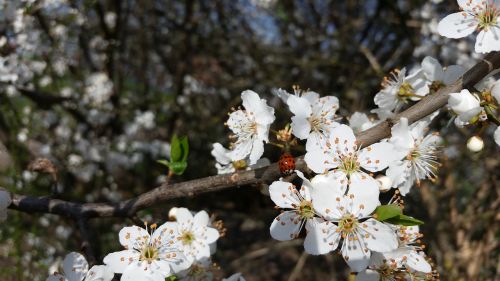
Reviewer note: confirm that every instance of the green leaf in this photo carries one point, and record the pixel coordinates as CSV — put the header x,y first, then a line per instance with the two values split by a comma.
x,y
175,149
171,278
163,162
385,212
185,148
179,149
404,220
178,168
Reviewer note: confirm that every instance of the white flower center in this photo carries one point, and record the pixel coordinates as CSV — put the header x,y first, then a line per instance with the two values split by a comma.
x,y
488,15
349,163
347,225
187,238
149,253
305,209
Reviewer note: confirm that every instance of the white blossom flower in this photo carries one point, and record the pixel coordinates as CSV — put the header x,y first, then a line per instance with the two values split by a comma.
x,y
298,209
439,76
347,219
193,234
496,135
225,165
349,162
251,127
480,15
417,153
409,253
76,268
147,256
465,105
5,201
400,89
313,117
360,122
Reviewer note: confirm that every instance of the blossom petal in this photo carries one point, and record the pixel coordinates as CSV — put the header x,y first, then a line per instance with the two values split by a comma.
x,y
377,156
286,226
211,235
488,40
417,262
241,150
366,192
457,25
282,194
220,153
131,235
398,172
378,236
355,253
316,141
183,216
201,218
251,101
342,137
299,106
300,127
136,272
432,69
326,188
316,242
311,96
119,261
75,266
257,151
320,161
100,273
5,199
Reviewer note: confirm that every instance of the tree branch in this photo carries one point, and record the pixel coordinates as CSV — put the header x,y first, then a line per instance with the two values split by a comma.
x,y
267,174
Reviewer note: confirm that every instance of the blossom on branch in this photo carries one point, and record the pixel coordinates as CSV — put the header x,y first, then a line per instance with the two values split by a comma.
x,y
480,15
416,154
148,256
348,163
251,127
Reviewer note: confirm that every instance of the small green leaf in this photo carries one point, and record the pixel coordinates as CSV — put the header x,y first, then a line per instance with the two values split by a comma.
x,y
404,220
178,168
175,149
163,162
171,278
385,212
185,148
179,149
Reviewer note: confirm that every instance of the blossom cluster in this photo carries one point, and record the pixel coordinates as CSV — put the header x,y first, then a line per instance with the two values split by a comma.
x,y
179,248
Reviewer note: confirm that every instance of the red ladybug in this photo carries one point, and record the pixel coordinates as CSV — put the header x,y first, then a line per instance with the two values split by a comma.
x,y
286,164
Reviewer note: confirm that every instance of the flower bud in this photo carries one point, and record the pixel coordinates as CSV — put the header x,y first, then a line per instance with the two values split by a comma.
x,y
385,183
462,102
475,144
172,213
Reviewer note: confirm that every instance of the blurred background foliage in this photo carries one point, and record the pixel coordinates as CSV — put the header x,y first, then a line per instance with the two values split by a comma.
x,y
101,86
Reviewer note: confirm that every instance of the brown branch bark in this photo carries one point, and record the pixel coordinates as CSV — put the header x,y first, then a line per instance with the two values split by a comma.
x,y
267,174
